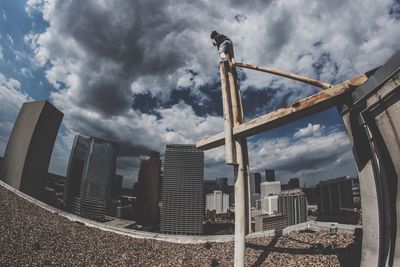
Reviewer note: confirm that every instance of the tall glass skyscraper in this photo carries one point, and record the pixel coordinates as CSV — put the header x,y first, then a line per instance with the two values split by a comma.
x,y
90,175
182,200
79,153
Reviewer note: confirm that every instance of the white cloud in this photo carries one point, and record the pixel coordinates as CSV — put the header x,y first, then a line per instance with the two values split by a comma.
x,y
310,130
11,40
11,98
308,155
34,6
26,72
3,15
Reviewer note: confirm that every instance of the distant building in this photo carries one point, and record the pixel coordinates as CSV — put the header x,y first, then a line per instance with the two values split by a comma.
x,y
116,186
293,204
255,197
1,166
182,205
147,191
269,205
97,178
54,189
217,201
255,182
222,182
336,200
76,165
29,148
312,194
264,222
90,175
293,183
270,188
209,186
230,190
269,175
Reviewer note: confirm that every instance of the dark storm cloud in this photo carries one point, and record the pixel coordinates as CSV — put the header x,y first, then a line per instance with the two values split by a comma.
x,y
132,39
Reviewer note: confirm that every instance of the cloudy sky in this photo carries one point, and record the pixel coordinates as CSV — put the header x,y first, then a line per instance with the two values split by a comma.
x,y
145,73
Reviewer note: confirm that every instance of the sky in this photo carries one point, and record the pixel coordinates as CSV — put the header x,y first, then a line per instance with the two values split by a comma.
x,y
145,74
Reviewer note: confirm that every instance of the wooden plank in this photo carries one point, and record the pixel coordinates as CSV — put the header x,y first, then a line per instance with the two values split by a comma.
x,y
317,102
286,74
230,153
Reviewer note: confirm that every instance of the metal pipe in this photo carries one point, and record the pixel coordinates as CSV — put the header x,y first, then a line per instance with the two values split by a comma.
x,y
286,74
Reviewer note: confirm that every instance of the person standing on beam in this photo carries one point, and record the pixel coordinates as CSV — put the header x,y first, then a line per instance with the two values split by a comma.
x,y
224,45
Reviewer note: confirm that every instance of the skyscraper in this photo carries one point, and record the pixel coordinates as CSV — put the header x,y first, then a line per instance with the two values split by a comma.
x,y
335,200
90,176
116,186
222,182
270,188
29,147
97,178
217,201
182,190
147,191
257,182
293,204
76,164
269,175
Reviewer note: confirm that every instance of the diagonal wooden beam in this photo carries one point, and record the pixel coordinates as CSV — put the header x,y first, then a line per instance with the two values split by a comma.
x,y
315,103
286,74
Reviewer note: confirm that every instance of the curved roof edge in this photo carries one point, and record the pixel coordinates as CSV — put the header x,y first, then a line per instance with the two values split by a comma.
x,y
312,225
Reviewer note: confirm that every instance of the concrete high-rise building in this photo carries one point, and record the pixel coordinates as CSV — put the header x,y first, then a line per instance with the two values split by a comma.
x,y
222,182
76,164
255,182
293,204
29,148
269,175
264,222
147,191
270,188
217,201
182,206
98,174
295,182
116,186
209,186
335,200
269,205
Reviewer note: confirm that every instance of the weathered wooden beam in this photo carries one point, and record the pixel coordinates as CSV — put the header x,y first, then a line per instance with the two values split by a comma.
x,y
315,103
286,74
230,154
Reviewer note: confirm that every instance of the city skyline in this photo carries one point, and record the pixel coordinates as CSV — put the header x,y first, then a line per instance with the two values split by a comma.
x,y
146,90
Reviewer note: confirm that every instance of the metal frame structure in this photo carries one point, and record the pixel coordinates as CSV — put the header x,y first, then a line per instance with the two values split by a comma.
x,y
236,130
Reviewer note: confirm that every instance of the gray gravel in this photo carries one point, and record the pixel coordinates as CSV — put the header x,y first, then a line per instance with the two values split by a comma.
x,y
32,236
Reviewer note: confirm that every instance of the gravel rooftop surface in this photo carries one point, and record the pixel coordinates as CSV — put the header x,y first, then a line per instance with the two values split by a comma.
x,y
32,236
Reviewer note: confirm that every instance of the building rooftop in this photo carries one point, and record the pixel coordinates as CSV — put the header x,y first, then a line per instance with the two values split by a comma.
x,y
31,235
